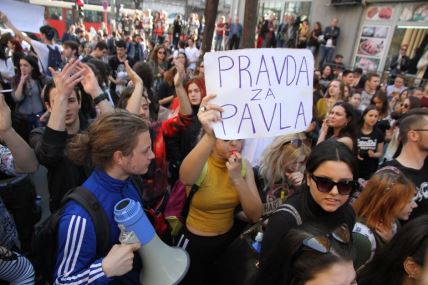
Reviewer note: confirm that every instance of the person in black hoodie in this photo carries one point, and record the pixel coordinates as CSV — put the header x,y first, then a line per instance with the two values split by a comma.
x,y
323,202
63,100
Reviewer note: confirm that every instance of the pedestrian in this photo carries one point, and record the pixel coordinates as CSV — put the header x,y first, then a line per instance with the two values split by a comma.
x,y
331,171
228,182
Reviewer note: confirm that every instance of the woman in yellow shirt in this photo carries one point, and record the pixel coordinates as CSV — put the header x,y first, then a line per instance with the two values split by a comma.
x,y
209,224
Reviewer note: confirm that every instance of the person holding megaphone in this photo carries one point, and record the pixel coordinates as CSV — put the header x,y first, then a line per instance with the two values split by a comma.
x,y
115,159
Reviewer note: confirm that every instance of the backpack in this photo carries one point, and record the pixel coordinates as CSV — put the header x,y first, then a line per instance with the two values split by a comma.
x,y
178,203
54,59
45,235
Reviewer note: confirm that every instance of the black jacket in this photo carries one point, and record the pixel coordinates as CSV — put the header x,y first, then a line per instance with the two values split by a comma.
x,y
49,146
272,255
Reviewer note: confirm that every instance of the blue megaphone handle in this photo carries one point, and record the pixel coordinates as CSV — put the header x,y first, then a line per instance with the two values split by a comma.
x,y
130,214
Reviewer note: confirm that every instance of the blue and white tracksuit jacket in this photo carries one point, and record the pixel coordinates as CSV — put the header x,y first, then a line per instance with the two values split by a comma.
x,y
76,258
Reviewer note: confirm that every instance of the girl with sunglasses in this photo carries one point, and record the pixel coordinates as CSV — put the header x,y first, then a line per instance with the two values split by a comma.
x,y
228,182
369,143
319,257
281,170
323,201
401,261
339,125
387,197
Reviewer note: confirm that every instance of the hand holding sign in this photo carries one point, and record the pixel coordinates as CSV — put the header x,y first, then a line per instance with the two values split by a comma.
x,y
209,114
264,92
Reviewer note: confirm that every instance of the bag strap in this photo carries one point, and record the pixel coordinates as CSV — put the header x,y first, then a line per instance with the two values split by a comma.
x,y
290,209
99,218
364,230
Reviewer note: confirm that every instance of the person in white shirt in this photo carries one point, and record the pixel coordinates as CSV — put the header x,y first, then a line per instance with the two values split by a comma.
x,y
398,85
41,48
192,54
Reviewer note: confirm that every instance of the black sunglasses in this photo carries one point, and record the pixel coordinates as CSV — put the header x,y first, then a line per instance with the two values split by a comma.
x,y
322,243
324,185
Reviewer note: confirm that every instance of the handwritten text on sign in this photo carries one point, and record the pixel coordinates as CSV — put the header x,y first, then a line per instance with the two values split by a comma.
x,y
264,92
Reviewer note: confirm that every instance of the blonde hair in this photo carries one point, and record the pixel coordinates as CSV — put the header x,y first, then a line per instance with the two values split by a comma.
x,y
279,156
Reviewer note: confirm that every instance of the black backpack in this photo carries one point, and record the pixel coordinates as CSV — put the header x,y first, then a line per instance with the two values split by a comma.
x,y
45,236
54,59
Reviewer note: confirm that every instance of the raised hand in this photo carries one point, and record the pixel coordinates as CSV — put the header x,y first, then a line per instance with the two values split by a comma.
x,y
89,80
133,76
66,79
179,77
209,114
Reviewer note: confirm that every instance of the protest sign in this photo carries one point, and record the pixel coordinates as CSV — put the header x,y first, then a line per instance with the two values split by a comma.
x,y
264,92
26,17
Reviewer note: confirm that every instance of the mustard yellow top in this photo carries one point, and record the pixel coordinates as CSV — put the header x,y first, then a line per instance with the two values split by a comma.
x,y
213,205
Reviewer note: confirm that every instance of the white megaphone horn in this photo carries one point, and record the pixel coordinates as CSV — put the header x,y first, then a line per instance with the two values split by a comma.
x,y
162,264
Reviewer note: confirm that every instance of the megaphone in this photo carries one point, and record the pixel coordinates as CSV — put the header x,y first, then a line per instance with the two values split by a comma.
x,y
162,264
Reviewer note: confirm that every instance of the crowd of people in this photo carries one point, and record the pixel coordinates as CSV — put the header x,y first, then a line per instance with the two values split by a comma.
x,y
342,202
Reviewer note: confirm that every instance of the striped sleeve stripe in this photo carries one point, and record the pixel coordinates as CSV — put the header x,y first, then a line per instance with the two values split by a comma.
x,y
94,269
75,236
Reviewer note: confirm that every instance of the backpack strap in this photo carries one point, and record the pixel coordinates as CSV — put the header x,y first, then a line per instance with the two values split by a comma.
x,y
290,209
364,230
99,218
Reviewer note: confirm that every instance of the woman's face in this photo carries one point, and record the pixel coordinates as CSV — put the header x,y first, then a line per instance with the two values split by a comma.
x,y
405,107
355,100
335,171
296,165
378,103
404,95
341,273
25,67
326,71
182,59
371,117
404,213
10,45
337,117
161,54
194,93
201,68
334,89
225,148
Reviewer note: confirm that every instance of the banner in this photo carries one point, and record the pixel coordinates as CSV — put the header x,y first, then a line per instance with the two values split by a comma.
x,y
264,92
25,17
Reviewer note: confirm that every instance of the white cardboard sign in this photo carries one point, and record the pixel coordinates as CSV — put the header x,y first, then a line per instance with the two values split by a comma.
x,y
26,17
264,92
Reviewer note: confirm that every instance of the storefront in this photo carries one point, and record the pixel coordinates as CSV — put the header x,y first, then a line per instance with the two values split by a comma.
x,y
385,28
280,7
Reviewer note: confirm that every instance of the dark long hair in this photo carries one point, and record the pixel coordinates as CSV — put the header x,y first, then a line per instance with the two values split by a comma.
x,y
35,74
387,268
350,129
366,110
385,106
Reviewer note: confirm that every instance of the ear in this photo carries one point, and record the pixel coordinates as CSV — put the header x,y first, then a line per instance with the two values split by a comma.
x,y
413,135
413,270
118,158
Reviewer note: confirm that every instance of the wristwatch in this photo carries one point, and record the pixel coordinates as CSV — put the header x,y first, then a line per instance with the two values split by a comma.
x,y
101,97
